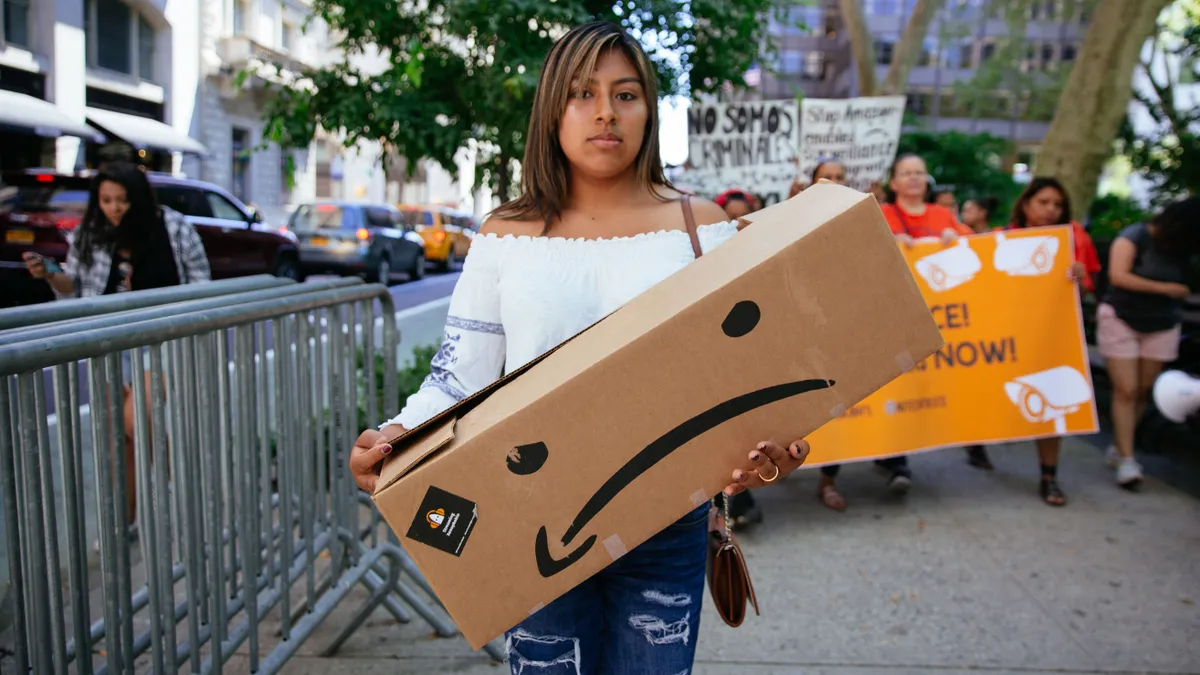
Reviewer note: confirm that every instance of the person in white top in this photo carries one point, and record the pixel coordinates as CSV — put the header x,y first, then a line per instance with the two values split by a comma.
x,y
596,224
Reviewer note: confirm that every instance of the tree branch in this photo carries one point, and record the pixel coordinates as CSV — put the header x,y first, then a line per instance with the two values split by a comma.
x,y
862,45
912,43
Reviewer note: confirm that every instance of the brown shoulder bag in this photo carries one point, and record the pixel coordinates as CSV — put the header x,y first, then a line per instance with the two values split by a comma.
x,y
728,579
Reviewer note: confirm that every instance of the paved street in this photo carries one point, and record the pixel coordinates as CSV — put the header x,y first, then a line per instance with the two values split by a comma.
x,y
970,573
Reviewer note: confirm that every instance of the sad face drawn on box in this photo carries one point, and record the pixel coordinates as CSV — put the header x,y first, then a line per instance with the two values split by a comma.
x,y
528,458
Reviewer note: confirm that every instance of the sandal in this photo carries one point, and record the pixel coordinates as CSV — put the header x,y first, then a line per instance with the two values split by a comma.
x,y
977,457
830,497
1051,493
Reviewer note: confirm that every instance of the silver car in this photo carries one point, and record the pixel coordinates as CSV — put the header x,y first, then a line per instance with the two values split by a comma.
x,y
353,238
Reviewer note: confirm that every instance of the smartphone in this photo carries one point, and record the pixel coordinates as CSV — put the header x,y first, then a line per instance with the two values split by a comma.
x,y
51,265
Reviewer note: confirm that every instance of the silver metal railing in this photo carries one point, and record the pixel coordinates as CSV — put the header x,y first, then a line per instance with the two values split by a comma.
x,y
18,318
249,530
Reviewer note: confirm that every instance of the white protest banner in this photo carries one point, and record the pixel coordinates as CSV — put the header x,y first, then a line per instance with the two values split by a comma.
x,y
750,145
861,133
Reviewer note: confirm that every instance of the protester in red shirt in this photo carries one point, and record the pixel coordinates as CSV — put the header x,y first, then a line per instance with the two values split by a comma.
x,y
906,211
1043,203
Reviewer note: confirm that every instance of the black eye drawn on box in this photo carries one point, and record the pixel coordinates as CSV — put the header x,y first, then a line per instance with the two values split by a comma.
x,y
526,459
741,319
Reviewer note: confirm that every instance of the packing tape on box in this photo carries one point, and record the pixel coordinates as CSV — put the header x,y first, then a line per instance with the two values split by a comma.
x,y
698,498
905,361
537,608
837,411
614,547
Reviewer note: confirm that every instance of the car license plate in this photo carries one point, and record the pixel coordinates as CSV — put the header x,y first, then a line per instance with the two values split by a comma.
x,y
319,241
18,237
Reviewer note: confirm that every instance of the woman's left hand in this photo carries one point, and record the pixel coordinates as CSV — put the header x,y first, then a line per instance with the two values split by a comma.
x,y
769,462
1076,272
949,236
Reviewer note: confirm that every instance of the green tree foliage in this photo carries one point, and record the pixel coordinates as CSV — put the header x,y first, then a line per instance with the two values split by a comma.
x,y
423,78
1169,156
971,163
1014,82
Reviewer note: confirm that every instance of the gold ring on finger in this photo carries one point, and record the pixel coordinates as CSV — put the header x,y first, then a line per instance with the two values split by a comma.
x,y
772,478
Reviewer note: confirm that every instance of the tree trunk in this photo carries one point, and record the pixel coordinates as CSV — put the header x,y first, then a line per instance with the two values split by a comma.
x,y
912,43
1095,98
862,46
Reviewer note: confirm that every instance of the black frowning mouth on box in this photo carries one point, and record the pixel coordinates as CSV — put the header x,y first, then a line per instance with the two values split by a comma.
x,y
656,451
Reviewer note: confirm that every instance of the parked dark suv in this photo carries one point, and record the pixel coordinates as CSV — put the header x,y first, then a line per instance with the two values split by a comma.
x,y
370,239
38,207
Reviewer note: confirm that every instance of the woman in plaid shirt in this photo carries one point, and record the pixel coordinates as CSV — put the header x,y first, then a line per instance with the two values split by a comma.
x,y
126,242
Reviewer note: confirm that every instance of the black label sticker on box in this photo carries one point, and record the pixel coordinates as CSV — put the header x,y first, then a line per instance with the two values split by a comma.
x,y
444,521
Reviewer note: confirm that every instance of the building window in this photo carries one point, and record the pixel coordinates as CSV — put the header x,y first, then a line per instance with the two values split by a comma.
x,y
814,65
1047,55
114,22
286,176
145,50
987,52
287,36
789,62
240,164
966,56
239,17
16,22
883,52
119,39
1068,53
882,7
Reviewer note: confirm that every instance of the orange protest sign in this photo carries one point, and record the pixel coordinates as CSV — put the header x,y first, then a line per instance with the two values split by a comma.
x,y
1014,365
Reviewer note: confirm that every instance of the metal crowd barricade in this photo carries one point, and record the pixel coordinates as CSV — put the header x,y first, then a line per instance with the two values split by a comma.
x,y
119,317
245,511
19,318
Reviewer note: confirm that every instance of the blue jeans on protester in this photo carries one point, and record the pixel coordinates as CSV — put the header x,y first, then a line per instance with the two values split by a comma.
x,y
640,614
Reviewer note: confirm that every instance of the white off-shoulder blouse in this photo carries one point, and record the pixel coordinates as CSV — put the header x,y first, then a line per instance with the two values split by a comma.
x,y
519,297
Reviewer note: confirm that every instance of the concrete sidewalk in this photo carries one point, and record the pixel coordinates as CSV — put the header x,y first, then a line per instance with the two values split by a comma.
x,y
969,573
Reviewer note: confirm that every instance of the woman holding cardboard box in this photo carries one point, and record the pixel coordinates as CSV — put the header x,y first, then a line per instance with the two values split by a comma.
x,y
596,224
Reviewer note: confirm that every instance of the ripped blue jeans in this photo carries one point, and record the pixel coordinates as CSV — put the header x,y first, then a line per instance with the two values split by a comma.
x,y
641,614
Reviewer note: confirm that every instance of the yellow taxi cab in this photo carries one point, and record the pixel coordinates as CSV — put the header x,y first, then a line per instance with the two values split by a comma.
x,y
447,232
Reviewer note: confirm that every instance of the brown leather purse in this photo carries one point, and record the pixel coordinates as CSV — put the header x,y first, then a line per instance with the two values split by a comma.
x,y
728,579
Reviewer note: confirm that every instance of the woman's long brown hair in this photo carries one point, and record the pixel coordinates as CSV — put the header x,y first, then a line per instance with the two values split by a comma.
x,y
545,171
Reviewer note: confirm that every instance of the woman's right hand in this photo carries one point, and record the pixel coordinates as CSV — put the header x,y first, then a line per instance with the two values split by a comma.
x,y
1177,291
35,265
906,240
366,458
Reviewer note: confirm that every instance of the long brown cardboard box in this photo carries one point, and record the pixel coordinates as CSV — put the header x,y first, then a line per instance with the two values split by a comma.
x,y
642,417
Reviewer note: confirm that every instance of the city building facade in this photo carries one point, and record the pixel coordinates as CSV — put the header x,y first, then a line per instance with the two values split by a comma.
x,y
815,59
82,81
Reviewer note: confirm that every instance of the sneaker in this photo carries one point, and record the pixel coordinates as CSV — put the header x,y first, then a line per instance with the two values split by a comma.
x,y
1112,457
899,483
1129,473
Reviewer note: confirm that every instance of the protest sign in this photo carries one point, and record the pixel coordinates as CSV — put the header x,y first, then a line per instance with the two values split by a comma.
x,y
749,145
862,133
1015,362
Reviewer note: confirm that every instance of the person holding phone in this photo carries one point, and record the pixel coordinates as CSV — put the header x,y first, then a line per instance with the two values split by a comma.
x,y
125,242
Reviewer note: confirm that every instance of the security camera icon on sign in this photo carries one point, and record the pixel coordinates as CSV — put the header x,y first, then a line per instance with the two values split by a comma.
x,y
949,268
1025,256
1050,395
